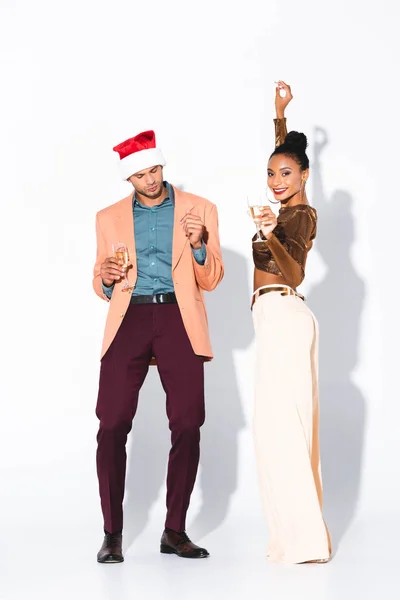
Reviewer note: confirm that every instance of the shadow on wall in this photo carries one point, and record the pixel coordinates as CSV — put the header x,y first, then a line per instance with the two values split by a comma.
x,y
231,329
337,302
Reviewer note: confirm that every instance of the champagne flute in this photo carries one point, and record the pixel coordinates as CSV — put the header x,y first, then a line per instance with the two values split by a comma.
x,y
121,253
256,203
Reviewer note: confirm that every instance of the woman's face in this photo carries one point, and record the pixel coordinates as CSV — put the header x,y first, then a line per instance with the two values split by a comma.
x,y
285,177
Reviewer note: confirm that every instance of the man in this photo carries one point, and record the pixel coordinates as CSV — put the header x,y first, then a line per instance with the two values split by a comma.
x,y
173,243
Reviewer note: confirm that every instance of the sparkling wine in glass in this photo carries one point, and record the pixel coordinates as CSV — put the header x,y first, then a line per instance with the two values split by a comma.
x,y
256,204
121,253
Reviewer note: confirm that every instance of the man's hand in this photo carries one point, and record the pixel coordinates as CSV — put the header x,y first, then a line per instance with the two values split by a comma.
x,y
111,271
281,103
194,228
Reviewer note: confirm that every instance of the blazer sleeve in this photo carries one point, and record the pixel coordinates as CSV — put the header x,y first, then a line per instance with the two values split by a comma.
x,y
211,273
101,255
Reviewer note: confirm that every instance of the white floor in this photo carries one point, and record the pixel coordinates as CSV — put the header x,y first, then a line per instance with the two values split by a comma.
x,y
60,564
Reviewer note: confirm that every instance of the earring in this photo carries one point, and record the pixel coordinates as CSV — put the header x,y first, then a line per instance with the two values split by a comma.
x,y
269,198
302,188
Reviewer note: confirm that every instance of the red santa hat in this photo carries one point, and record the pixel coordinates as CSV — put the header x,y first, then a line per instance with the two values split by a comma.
x,y
139,153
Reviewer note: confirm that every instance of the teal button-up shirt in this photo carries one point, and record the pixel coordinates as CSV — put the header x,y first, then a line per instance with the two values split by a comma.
x,y
153,239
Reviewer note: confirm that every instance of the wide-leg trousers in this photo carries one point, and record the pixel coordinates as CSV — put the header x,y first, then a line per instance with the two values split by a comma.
x,y
149,330
286,428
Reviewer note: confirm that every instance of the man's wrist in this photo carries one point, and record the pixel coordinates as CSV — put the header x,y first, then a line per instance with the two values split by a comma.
x,y
107,285
280,115
197,245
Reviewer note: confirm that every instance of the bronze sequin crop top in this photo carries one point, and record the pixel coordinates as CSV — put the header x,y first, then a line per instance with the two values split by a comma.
x,y
285,253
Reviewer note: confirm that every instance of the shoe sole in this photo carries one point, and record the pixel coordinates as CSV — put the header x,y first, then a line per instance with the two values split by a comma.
x,y
164,549
318,561
110,561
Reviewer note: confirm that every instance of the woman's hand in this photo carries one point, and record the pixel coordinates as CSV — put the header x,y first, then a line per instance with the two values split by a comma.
x,y
281,103
267,221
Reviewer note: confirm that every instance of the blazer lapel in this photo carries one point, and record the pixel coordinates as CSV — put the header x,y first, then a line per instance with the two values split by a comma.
x,y
125,231
182,206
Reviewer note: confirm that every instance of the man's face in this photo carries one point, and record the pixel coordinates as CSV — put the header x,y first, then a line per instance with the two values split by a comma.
x,y
149,182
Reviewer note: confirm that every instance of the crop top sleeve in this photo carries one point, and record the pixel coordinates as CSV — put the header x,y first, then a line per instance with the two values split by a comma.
x,y
280,131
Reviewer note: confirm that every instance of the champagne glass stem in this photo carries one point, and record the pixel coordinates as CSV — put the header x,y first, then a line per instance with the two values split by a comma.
x,y
125,278
258,229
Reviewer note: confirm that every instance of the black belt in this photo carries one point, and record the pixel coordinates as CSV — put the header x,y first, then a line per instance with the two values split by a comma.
x,y
168,298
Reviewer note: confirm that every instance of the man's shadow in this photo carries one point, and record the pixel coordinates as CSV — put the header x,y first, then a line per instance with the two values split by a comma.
x,y
231,329
337,302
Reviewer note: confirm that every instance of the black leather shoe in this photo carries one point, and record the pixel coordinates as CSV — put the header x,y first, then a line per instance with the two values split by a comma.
x,y
179,543
111,550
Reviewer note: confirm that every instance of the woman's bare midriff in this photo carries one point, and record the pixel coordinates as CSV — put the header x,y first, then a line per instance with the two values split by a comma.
x,y
262,278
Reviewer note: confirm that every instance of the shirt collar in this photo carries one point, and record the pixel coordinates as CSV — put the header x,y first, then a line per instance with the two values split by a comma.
x,y
170,190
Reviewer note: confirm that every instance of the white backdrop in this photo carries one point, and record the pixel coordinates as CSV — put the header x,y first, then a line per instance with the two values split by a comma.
x,y
79,77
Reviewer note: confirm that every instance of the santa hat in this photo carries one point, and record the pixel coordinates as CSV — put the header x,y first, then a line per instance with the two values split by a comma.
x,y
139,153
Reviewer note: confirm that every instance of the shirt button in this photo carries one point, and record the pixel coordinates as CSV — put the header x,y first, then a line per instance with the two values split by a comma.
x,y
155,280
151,247
152,264
152,228
153,210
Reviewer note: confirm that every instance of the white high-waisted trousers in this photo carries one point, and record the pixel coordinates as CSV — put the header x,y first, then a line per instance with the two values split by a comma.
x,y
286,423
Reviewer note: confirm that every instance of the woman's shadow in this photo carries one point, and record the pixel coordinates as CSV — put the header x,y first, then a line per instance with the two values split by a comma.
x,y
337,302
230,329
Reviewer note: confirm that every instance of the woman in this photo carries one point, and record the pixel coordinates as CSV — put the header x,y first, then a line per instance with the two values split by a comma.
x,y
286,411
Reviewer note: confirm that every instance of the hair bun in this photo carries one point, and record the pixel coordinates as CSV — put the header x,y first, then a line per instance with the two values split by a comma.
x,y
296,140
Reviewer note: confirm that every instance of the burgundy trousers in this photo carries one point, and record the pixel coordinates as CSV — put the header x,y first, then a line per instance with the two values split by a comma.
x,y
149,330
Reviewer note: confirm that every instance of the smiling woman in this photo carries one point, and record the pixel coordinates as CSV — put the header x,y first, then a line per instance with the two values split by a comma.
x,y
286,410
281,255
288,168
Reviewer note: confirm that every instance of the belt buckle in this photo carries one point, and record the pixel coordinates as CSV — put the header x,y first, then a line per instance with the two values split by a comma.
x,y
155,299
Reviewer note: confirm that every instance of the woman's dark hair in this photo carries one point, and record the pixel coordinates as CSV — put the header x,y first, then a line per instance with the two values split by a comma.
x,y
295,145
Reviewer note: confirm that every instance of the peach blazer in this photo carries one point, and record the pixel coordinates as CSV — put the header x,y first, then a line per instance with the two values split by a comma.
x,y
115,223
